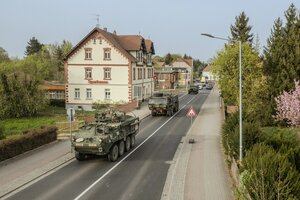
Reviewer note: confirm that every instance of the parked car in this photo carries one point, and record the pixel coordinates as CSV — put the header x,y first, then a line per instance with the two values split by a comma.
x,y
209,86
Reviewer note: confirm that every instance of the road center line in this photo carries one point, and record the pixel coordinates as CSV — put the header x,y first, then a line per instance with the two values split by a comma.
x,y
116,165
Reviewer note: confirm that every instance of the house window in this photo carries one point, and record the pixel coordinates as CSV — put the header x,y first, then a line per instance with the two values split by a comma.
x,y
89,93
140,73
149,60
144,74
100,41
107,73
133,73
77,93
88,53
95,41
149,73
107,93
139,56
107,53
88,73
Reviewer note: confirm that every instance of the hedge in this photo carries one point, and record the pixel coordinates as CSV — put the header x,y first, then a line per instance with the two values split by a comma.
x,y
30,139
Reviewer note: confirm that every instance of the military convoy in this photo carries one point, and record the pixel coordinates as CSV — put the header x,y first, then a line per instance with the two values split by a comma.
x,y
194,89
112,134
163,104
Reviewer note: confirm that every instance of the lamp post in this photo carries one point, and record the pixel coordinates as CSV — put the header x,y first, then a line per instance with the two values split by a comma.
x,y
240,86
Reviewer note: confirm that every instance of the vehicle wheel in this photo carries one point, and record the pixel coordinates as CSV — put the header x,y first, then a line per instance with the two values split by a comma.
x,y
132,140
113,153
79,156
153,113
127,143
121,148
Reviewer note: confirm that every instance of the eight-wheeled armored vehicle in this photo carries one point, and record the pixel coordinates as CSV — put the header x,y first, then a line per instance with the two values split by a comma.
x,y
163,104
111,134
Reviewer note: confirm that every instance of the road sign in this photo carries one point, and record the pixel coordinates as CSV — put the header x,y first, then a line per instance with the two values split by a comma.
x,y
191,112
71,114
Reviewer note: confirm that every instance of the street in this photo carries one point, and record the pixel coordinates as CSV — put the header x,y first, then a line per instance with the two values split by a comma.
x,y
139,174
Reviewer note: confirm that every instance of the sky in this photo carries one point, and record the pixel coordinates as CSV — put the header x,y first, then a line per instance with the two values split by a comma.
x,y
175,26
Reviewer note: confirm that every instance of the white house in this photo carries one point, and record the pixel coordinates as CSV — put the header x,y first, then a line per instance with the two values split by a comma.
x,y
184,67
207,73
105,66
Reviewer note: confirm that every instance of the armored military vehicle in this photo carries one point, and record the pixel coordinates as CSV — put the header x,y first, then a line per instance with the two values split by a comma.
x,y
194,89
112,134
163,104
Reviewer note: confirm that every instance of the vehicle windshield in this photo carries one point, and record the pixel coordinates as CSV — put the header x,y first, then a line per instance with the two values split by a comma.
x,y
158,101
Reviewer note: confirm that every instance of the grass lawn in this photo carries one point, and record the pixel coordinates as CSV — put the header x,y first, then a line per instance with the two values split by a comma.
x,y
49,116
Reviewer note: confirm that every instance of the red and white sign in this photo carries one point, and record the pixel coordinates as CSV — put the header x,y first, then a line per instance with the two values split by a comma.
x,y
191,112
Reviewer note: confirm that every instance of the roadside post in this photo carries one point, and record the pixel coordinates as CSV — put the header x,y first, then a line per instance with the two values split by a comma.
x,y
71,114
191,113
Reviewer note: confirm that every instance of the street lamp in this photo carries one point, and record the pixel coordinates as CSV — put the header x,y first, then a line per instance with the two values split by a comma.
x,y
240,85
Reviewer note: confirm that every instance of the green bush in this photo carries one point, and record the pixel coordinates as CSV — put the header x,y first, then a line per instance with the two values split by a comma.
x,y
2,132
231,135
32,139
284,141
269,174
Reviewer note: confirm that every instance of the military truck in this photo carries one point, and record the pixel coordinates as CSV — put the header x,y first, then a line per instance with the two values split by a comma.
x,y
112,134
194,89
163,104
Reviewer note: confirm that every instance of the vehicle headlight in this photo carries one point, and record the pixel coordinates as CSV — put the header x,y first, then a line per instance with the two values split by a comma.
x,y
100,140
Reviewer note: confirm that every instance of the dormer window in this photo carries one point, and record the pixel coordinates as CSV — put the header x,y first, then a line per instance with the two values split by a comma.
x,y
107,54
88,53
149,58
139,56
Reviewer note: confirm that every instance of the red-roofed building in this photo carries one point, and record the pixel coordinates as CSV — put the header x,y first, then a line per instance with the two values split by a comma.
x,y
105,66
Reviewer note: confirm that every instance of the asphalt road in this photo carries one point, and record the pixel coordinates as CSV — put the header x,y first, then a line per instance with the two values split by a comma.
x,y
139,174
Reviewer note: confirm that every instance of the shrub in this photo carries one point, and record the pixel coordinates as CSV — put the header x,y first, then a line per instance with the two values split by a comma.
x,y
19,144
270,175
231,135
2,132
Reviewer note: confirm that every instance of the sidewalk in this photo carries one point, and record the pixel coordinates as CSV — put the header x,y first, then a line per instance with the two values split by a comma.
x,y
20,170
198,170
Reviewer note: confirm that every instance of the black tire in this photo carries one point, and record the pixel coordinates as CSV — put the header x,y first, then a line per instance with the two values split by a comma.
x,y
153,113
80,156
121,148
113,153
127,144
132,140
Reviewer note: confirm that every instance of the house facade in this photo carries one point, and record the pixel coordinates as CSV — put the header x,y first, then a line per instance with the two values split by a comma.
x,y
184,68
165,78
108,67
207,73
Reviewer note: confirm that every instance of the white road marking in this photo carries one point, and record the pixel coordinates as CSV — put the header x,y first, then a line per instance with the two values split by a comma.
x,y
116,165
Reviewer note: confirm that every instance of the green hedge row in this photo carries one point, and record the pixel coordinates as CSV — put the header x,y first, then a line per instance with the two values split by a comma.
x,y
29,140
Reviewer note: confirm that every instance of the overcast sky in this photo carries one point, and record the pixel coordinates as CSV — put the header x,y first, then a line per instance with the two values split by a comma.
x,y
173,25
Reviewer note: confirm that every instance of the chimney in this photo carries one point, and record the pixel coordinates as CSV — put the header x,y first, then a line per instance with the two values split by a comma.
x,y
105,29
115,32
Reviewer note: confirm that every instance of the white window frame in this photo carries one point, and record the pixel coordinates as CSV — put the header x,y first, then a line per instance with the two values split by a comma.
x,y
77,93
88,73
107,73
88,93
107,94
107,54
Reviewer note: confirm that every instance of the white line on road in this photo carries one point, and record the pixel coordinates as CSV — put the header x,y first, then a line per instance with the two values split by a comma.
x,y
111,169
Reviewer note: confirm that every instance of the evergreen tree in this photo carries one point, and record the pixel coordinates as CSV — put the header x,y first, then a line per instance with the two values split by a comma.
x,y
241,30
282,57
33,46
168,59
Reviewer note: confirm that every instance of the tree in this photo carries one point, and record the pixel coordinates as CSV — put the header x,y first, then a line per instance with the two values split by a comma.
x,y
226,67
21,96
269,175
282,57
3,55
241,30
288,106
33,46
168,59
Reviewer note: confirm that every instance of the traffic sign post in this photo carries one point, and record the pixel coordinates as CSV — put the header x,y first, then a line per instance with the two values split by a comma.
x,y
191,113
71,114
